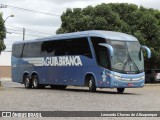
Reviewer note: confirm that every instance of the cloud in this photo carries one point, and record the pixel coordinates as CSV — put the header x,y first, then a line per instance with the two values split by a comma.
x,y
61,2
47,23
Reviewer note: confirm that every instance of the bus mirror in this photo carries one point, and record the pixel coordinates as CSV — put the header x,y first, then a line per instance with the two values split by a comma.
x,y
148,51
107,46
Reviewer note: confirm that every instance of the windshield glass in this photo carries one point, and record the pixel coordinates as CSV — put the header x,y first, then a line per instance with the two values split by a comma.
x,y
127,56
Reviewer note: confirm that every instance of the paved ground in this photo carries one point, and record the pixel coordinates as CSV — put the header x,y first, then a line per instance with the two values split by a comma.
x,y
14,97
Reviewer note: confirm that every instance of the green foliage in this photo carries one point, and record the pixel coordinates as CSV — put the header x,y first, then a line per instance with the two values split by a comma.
x,y
140,22
2,33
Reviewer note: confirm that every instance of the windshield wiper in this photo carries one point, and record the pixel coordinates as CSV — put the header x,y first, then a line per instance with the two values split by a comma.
x,y
135,65
129,60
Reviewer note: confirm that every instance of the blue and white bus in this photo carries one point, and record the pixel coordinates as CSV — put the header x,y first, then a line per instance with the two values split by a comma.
x,y
97,59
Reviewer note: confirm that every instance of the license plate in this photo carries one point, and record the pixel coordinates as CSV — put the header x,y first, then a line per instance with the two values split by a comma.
x,y
130,84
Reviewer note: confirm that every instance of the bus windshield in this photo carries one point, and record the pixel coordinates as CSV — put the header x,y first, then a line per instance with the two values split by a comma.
x,y
127,57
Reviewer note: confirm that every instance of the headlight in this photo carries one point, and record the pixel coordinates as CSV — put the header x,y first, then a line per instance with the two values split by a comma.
x,y
117,77
140,78
126,79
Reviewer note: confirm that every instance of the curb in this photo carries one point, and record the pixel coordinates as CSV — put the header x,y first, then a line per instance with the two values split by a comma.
x,y
158,84
5,79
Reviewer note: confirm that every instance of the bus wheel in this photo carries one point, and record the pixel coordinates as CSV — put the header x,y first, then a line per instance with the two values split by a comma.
x,y
91,84
27,82
120,90
35,82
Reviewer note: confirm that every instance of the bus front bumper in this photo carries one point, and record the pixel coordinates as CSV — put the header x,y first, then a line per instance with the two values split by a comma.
x,y
117,82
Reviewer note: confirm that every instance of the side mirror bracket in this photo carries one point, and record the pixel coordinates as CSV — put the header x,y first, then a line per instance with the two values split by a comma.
x,y
107,46
148,51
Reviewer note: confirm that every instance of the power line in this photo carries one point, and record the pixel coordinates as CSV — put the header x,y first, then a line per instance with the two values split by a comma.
x,y
38,32
14,26
23,32
14,29
20,29
29,31
28,10
18,33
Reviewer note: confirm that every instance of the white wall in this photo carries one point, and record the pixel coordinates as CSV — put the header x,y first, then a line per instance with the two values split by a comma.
x,y
5,59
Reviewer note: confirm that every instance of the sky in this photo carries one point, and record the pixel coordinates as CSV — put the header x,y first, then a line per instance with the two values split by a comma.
x,y
43,25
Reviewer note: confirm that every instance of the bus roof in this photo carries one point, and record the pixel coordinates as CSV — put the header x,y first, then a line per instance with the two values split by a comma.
x,y
111,35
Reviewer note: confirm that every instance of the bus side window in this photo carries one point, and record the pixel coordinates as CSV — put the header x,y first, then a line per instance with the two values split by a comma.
x,y
75,46
47,48
32,49
78,46
17,50
101,53
25,50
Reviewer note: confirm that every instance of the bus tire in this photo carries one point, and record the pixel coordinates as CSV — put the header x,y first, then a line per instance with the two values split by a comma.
x,y
27,82
91,84
120,90
35,82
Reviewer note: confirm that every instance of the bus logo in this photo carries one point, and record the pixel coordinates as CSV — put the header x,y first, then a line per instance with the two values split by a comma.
x,y
62,61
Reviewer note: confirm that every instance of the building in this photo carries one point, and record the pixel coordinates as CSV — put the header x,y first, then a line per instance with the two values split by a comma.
x,y
5,65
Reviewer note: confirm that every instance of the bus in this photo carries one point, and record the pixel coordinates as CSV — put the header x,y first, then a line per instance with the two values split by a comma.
x,y
94,58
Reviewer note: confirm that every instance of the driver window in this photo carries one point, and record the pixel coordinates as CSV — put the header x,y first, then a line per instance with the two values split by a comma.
x,y
103,59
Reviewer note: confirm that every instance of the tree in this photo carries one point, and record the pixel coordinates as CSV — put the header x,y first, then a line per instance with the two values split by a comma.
x,y
2,33
140,22
89,19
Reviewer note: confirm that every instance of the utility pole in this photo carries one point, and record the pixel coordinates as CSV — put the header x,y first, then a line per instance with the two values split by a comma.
x,y
23,34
